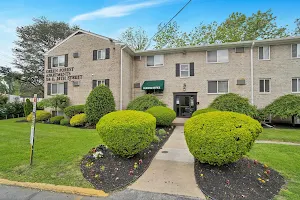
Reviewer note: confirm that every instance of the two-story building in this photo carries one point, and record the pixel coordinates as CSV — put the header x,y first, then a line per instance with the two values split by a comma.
x,y
186,78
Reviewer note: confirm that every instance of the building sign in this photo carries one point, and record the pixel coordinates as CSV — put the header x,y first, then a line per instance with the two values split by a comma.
x,y
62,74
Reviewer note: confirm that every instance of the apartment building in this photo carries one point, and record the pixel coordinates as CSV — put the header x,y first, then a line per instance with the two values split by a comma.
x,y
186,79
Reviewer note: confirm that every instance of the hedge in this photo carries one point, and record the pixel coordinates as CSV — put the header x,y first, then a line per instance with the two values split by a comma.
x,y
235,103
144,102
99,103
56,119
27,107
64,122
78,120
127,132
205,110
164,116
70,111
40,116
218,138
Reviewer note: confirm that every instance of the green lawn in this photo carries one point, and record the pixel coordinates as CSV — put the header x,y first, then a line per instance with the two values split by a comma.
x,y
58,151
286,160
284,135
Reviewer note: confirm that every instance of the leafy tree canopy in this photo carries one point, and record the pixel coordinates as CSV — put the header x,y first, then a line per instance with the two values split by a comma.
x,y
136,38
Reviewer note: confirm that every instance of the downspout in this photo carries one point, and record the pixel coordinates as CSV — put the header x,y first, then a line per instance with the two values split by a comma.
x,y
121,79
252,75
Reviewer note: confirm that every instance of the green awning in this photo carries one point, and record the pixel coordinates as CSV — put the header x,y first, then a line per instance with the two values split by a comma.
x,y
153,85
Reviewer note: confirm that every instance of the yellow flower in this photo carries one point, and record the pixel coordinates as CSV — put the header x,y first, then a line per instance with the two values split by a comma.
x,y
201,175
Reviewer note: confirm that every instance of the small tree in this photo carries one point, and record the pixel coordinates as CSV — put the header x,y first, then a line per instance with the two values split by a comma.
x,y
284,107
99,103
57,102
28,107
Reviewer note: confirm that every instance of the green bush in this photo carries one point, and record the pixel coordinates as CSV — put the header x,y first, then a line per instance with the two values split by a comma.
x,y
3,99
70,111
64,122
78,120
40,105
99,103
162,132
219,137
28,107
205,110
144,102
127,132
164,116
40,116
56,119
156,139
234,103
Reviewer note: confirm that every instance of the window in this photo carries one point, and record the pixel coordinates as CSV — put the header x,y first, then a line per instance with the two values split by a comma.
x,y
155,61
154,91
57,88
58,61
218,87
101,54
239,50
264,53
264,85
101,82
217,56
295,50
296,85
184,70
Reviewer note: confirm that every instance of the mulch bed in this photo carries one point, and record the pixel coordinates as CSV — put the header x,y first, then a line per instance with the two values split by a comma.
x,y
244,179
112,172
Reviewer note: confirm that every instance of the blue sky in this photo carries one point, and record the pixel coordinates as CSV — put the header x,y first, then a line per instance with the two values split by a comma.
x,y
111,17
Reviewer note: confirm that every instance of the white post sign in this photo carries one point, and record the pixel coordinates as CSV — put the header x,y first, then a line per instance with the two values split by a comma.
x,y
33,128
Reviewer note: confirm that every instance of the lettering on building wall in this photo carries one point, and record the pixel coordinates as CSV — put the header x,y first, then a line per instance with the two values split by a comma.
x,y
62,74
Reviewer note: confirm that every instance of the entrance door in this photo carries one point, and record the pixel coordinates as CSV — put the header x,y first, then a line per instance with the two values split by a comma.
x,y
185,104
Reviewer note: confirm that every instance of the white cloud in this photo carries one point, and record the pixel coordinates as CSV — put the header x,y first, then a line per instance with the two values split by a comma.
x,y
115,11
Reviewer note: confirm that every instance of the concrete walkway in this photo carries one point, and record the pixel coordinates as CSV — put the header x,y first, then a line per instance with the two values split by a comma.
x,y
276,142
172,170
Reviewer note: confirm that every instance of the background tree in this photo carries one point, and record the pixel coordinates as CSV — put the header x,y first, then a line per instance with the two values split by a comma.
x,y
203,34
33,41
297,30
57,102
136,38
10,81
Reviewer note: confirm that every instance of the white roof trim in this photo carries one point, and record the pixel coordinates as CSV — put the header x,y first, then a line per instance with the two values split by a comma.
x,y
83,31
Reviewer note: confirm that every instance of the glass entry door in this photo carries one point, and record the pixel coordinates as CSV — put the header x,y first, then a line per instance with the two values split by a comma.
x,y
185,105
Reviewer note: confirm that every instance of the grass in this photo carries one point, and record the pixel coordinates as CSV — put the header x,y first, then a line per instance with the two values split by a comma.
x,y
283,135
57,154
286,160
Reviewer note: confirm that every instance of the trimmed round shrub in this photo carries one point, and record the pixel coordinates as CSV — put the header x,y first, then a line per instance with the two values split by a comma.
x,y
234,103
144,102
99,103
164,116
56,119
127,132
218,138
64,122
205,110
78,120
28,107
40,116
70,111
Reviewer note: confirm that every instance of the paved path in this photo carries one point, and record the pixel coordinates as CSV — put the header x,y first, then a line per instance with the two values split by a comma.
x,y
19,193
172,170
275,142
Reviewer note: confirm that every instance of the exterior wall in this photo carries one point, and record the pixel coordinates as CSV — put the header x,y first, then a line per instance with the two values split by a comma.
x,y
281,68
127,79
90,69
238,67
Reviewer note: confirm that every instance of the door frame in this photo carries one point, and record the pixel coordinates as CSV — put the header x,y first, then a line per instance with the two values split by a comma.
x,y
184,94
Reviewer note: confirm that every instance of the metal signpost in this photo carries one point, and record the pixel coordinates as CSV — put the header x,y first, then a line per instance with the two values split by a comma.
x,y
32,128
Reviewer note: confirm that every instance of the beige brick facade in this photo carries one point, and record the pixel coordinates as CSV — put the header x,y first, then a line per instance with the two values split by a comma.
x,y
280,69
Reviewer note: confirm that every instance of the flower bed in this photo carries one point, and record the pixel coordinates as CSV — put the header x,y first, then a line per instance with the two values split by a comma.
x,y
244,179
109,172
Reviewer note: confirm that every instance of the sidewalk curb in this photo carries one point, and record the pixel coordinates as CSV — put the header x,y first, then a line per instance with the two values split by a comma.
x,y
57,188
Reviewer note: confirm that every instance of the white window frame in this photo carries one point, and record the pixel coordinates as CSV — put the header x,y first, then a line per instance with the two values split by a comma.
x,y
102,82
188,64
263,52
218,86
298,44
218,56
57,84
102,53
298,89
264,79
59,58
155,65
